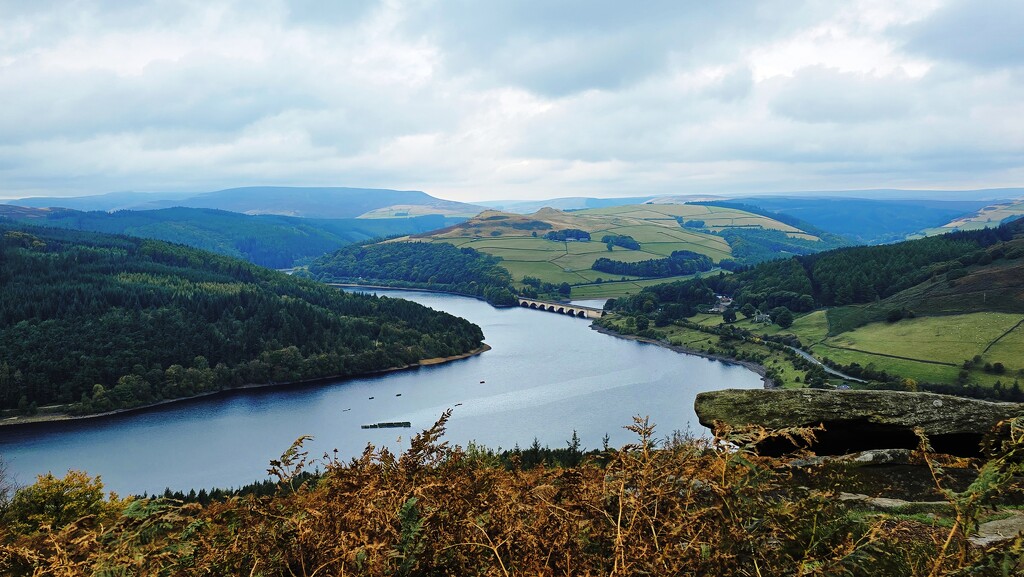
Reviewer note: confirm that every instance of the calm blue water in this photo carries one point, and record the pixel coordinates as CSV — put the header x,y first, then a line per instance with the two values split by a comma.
x,y
546,376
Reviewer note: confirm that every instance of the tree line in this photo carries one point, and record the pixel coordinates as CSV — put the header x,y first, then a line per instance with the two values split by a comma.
x,y
568,234
439,266
680,262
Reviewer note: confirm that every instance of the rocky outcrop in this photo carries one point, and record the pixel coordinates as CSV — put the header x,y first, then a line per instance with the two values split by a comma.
x,y
859,420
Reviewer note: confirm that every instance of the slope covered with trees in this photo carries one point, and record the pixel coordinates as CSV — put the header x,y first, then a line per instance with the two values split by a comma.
x,y
268,240
940,314
841,277
101,322
438,266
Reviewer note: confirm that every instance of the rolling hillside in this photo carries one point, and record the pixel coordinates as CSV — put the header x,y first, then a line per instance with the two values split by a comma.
x,y
946,311
267,240
308,202
659,230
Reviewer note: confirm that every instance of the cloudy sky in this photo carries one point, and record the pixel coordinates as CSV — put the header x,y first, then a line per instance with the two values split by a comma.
x,y
473,100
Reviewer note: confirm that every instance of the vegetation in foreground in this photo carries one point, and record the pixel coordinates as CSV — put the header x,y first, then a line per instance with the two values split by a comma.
x,y
674,508
92,323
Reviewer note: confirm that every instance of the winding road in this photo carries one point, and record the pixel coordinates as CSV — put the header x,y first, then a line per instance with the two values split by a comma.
x,y
828,369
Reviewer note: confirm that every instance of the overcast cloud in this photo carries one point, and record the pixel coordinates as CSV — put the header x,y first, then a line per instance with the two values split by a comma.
x,y
473,100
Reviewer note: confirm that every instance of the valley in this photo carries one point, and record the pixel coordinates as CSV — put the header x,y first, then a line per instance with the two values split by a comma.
x,y
398,288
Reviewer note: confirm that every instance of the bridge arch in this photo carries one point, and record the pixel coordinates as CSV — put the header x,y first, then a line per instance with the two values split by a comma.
x,y
573,311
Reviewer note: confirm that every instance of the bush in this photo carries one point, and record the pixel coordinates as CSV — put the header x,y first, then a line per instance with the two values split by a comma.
x,y
442,510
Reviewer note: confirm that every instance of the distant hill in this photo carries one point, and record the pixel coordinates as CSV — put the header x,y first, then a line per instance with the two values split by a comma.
x,y
990,215
307,202
267,240
97,322
983,194
109,201
567,203
867,221
618,250
573,203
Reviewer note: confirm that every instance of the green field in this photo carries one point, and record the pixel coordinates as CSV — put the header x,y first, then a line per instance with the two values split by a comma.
x,y
932,348
948,339
519,241
1009,349
922,372
612,289
810,328
714,217
790,376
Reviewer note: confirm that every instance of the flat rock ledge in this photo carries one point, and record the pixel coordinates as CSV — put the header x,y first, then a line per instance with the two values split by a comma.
x,y
859,420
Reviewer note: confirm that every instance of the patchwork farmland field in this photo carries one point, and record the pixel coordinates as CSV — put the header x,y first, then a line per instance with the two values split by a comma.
x,y
519,241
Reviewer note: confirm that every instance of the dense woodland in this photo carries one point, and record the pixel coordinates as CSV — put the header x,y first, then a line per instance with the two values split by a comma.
x,y
680,262
106,322
756,245
438,266
838,277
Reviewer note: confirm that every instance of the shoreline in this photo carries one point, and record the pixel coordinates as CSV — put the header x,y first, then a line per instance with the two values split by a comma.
x,y
20,421
755,367
343,285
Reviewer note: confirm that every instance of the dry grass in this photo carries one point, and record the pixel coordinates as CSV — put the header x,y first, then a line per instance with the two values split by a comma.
x,y
681,508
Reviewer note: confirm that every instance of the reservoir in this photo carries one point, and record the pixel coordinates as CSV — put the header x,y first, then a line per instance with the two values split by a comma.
x,y
546,376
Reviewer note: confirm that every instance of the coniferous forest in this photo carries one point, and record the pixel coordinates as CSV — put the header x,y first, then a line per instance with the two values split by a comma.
x,y
100,322
438,266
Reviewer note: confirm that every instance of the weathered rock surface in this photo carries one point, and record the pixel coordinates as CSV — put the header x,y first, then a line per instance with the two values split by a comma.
x,y
888,503
999,531
859,420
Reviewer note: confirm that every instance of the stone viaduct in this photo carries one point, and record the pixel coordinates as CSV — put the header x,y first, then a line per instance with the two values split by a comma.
x,y
565,309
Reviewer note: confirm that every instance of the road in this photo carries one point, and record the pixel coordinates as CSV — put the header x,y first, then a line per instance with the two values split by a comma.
x,y
828,369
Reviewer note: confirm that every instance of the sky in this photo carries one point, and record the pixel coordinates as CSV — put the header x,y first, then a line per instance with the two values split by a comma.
x,y
483,100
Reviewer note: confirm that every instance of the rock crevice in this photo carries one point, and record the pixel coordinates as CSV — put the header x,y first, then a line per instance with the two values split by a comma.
x,y
859,420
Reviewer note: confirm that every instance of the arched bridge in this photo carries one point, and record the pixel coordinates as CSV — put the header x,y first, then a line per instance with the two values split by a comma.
x,y
571,310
